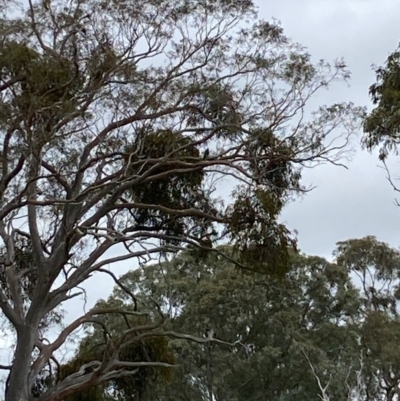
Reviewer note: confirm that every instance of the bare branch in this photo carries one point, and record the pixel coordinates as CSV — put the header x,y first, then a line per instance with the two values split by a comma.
x,y
324,396
121,285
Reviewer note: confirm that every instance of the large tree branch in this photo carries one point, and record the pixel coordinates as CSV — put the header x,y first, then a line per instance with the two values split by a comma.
x,y
83,272
125,364
10,270
114,368
46,351
15,319
57,176
76,384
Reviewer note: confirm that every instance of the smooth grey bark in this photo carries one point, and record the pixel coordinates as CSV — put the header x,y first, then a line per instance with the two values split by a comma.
x,y
19,386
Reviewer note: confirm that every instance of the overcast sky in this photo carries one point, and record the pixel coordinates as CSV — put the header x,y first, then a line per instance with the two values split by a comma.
x,y
345,203
359,201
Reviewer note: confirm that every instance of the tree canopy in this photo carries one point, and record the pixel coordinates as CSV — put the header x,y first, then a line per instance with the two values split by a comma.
x,y
118,123
328,330
382,124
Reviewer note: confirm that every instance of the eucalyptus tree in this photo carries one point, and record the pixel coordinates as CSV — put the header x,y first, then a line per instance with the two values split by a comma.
x,y
380,269
376,270
381,124
374,364
117,122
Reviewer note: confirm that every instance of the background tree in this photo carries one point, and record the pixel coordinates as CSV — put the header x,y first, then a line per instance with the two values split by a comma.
x,y
373,374
117,120
336,322
381,125
278,325
376,267
379,269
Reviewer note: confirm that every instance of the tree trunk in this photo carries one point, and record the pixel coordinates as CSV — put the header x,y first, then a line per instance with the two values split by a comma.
x,y
18,388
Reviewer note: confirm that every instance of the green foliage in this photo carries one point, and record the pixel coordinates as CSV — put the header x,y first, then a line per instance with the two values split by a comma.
x,y
377,268
366,253
274,168
258,240
220,108
381,126
328,316
275,321
171,191
45,85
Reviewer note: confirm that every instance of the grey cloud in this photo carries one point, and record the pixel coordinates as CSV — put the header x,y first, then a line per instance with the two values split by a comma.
x,y
359,201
